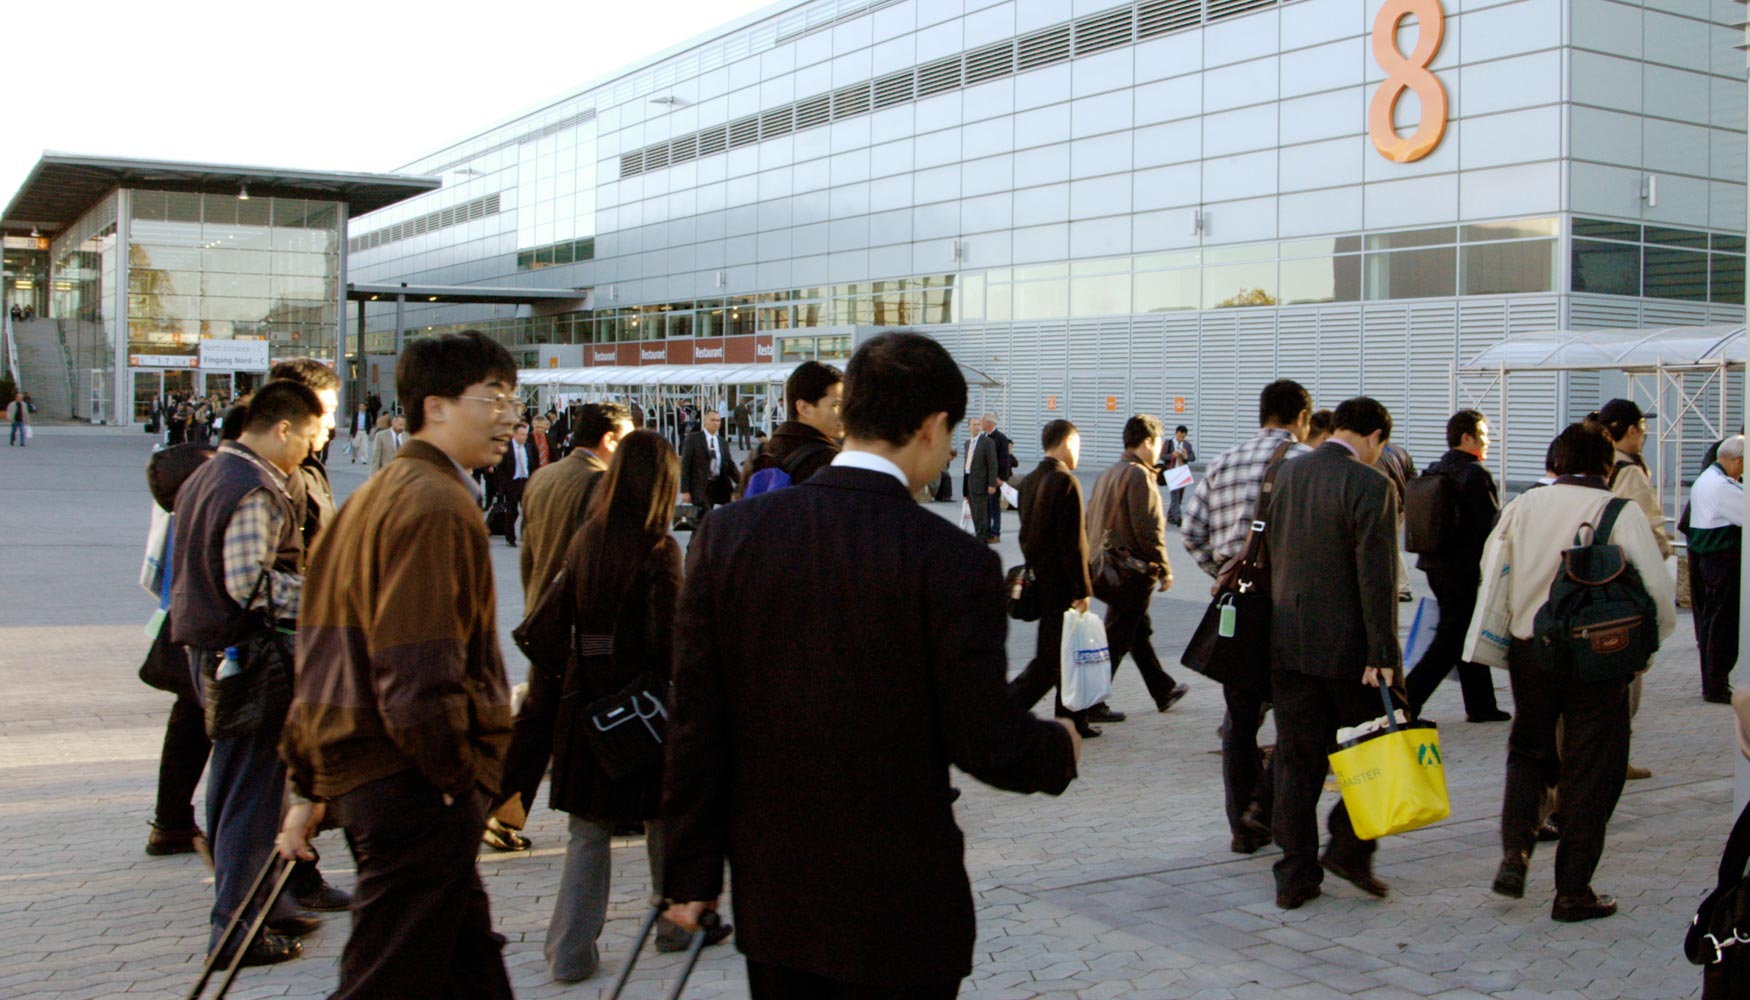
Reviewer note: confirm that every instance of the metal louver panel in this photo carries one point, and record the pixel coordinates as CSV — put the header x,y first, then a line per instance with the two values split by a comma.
x,y
1043,48
1339,366
744,132
631,163
656,157
895,89
683,149
1158,17
777,122
939,77
850,101
1433,347
1233,8
1297,348
1149,377
1255,366
1602,313
1103,31
714,141
990,63
1218,376
814,111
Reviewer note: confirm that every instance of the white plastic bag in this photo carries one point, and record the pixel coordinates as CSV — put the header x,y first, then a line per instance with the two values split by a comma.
x,y
966,517
1086,661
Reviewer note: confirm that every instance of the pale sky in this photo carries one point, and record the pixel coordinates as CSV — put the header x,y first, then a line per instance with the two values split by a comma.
x,y
362,85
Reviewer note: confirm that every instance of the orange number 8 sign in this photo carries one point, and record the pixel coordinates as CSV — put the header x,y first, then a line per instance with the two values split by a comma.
x,y
1409,73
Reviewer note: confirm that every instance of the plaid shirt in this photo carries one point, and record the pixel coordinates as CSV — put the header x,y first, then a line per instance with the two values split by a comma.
x,y
1220,509
251,541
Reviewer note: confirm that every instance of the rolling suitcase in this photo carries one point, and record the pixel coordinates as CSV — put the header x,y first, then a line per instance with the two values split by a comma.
x,y
707,922
278,885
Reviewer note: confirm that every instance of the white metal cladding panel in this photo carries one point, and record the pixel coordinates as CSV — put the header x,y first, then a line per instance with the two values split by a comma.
x,y
1116,380
1148,373
1218,375
1582,393
1256,365
1421,427
1660,312
1481,323
1179,356
1385,353
1603,313
1297,348
1339,363
1533,415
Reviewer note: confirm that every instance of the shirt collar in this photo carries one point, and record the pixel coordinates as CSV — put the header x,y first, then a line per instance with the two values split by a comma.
x,y
871,462
1346,446
243,451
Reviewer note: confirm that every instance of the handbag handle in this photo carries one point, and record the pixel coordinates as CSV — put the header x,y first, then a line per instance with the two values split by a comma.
x,y
1391,710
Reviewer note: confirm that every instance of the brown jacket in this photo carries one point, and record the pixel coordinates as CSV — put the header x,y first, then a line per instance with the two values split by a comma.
x,y
398,665
1126,498
552,509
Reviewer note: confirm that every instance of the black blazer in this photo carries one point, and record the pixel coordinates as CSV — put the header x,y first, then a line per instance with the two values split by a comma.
x,y
1054,540
696,464
1005,455
810,737
501,476
987,466
1477,506
1333,537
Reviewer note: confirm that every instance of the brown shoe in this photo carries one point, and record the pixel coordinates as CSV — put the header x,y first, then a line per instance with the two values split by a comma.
x,y
161,842
1572,909
1361,879
1637,773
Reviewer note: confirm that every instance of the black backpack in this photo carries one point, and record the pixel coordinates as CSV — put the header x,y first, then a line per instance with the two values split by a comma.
x,y
1430,513
1599,619
1722,923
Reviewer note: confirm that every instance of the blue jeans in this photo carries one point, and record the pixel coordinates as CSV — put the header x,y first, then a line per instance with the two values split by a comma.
x,y
18,437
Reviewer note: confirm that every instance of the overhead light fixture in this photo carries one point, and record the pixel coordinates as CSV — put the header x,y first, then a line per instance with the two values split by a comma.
x,y
242,192
668,99
34,234
434,298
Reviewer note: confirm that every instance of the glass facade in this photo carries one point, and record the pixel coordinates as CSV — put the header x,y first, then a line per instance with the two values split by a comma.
x,y
1658,262
85,262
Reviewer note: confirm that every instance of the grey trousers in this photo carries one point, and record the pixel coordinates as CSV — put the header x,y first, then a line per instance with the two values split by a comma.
x,y
582,904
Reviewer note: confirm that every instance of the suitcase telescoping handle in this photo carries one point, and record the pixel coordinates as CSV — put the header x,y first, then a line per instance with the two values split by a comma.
x,y
708,921
280,879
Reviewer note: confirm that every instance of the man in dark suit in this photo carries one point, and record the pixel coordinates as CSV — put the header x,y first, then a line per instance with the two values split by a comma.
x,y
1005,467
1054,543
812,750
512,476
1333,541
984,474
708,474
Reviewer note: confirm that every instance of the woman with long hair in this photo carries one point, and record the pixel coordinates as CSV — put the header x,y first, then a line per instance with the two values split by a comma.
x,y
625,575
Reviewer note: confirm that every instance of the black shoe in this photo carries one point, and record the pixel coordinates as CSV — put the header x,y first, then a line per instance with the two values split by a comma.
x,y
1548,832
1406,597
1088,732
670,938
161,842
953,795
1173,696
510,543
1718,698
1250,843
1361,879
1510,879
502,838
1573,909
272,949
1252,822
1295,900
325,898
295,926
1104,713
1492,715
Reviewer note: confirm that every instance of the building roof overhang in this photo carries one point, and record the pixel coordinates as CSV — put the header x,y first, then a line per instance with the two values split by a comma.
x,y
477,294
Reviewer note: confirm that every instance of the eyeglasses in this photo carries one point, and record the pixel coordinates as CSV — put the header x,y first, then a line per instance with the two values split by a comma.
x,y
500,402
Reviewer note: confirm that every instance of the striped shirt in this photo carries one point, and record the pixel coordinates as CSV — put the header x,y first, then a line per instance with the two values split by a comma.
x,y
1220,509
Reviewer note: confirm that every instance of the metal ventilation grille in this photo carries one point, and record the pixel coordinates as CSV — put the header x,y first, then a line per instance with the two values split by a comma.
x,y
1158,17
632,163
780,121
714,140
895,89
468,211
814,111
1103,31
744,132
850,101
938,77
683,149
990,63
656,157
1043,49
1219,9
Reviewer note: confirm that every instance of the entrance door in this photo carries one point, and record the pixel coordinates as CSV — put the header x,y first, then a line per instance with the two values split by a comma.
x,y
148,387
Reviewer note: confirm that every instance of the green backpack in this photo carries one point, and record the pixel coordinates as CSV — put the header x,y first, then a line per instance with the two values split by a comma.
x,y
1599,619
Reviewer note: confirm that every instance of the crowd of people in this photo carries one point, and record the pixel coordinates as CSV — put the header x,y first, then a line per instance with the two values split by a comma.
x,y
724,702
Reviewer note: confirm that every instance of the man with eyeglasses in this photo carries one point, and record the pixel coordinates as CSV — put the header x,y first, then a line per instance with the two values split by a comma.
x,y
401,712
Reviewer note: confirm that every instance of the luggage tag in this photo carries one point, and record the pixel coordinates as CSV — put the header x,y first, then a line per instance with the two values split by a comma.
x,y
1229,614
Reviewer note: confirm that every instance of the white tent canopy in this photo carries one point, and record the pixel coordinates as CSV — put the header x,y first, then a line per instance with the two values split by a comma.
x,y
1626,350
655,375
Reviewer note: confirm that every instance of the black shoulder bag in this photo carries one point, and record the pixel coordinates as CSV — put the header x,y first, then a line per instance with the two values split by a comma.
x,y
1232,642
1114,568
1721,927
260,694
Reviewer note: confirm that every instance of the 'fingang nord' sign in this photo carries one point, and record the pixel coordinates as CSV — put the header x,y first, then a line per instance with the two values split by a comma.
x,y
1407,73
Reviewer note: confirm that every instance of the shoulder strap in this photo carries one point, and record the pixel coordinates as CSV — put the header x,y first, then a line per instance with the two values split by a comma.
x,y
1269,482
1607,522
1616,469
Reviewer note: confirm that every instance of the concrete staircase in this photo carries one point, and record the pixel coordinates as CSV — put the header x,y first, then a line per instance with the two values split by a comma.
x,y
42,364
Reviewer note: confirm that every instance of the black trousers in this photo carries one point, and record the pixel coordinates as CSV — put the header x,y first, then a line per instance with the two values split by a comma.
x,y
1715,605
513,506
1456,590
775,982
1588,772
1244,777
531,741
421,923
1130,632
180,763
1309,710
1045,671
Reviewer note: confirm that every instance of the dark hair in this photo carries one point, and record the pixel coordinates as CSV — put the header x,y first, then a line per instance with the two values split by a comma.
x,y
595,420
520,424
1362,415
1461,423
309,371
808,383
629,511
1551,453
1142,427
280,399
445,366
1056,433
1582,449
1322,422
1282,402
1181,429
897,381
168,469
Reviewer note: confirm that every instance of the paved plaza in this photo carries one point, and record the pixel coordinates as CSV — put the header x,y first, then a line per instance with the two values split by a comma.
x,y
1121,888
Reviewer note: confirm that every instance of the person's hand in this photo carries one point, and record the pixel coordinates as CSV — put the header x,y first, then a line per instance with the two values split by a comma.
x,y
1075,738
1081,605
686,915
1375,676
991,490
293,842
1166,583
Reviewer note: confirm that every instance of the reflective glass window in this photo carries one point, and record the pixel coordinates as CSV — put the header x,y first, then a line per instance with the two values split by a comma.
x,y
1604,229
811,314
969,303
1240,254
1676,237
680,324
1412,238
1735,244
1727,280
1606,268
1167,291
1330,279
1041,299
1321,247
1513,229
1237,286
1101,295
1674,274
1502,268
795,349
1411,274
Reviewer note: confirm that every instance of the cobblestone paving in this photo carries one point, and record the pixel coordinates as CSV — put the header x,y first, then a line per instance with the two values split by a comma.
x,y
1122,887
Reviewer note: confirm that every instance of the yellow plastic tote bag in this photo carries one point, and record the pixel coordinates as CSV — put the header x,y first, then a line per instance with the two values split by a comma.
x,y
1392,778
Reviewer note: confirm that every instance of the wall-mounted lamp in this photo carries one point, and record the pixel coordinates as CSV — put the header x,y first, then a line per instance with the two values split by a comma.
x,y
1197,222
668,99
1650,190
242,192
957,251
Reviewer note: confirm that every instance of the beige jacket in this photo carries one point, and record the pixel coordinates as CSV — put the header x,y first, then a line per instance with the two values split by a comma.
x,y
1632,483
1126,496
1525,551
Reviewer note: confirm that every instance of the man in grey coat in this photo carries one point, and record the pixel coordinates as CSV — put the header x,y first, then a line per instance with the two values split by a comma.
x,y
1333,635
984,474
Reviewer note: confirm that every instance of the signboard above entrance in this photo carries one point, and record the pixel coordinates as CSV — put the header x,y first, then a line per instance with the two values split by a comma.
x,y
234,355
